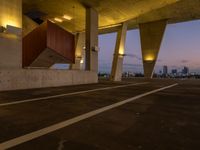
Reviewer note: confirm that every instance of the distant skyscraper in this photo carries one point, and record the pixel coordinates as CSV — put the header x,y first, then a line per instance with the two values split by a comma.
x,y
165,70
185,70
174,71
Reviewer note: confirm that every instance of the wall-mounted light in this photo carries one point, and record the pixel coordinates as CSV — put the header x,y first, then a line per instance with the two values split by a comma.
x,y
81,61
52,21
121,55
149,58
13,30
95,48
58,19
121,49
11,22
2,29
79,58
67,17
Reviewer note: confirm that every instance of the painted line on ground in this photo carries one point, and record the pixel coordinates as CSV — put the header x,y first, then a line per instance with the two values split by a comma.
x,y
67,94
33,135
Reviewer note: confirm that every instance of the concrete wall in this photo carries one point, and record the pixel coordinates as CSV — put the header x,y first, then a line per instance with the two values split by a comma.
x,y
10,40
79,53
38,78
11,13
28,25
10,51
12,76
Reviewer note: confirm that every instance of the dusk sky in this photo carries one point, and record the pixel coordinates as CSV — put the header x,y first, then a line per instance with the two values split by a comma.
x,y
180,47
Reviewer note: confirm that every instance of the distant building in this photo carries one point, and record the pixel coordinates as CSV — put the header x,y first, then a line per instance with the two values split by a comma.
x,y
165,70
174,71
185,70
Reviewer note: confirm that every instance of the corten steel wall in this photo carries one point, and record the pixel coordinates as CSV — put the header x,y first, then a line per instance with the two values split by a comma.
x,y
48,35
61,41
33,44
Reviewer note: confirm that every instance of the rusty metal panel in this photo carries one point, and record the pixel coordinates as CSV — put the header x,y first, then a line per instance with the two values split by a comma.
x,y
33,44
61,41
48,36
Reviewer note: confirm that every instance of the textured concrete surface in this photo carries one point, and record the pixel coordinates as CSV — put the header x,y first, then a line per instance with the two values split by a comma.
x,y
165,120
10,50
117,63
28,25
11,13
113,12
91,40
79,52
38,78
151,35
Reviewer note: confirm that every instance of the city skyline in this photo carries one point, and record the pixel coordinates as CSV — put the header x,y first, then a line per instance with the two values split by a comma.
x,y
180,47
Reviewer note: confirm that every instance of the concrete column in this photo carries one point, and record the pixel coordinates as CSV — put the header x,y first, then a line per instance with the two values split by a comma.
x,y
151,35
11,38
117,64
91,40
11,13
80,43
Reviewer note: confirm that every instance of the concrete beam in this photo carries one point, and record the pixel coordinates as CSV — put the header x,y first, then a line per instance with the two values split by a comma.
x,y
151,35
117,64
79,53
91,40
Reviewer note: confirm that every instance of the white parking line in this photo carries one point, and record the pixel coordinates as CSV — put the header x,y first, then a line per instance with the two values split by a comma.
x,y
33,135
67,94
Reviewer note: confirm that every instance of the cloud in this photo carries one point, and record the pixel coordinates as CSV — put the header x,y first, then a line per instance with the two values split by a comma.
x,y
184,61
133,56
132,65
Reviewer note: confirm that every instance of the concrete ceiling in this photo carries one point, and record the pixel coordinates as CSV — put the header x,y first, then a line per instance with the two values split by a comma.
x,y
113,12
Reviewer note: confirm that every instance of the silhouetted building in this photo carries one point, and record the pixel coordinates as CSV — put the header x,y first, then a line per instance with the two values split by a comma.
x,y
174,71
165,70
185,70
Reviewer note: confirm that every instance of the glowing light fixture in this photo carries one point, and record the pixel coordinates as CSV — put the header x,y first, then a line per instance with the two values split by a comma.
x,y
110,26
10,20
52,21
81,62
121,50
149,58
58,19
67,17
121,55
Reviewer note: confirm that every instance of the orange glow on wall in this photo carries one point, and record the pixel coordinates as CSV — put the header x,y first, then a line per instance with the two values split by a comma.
x,y
149,58
11,13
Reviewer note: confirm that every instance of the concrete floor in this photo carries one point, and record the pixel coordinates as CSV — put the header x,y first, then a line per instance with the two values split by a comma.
x,y
165,120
